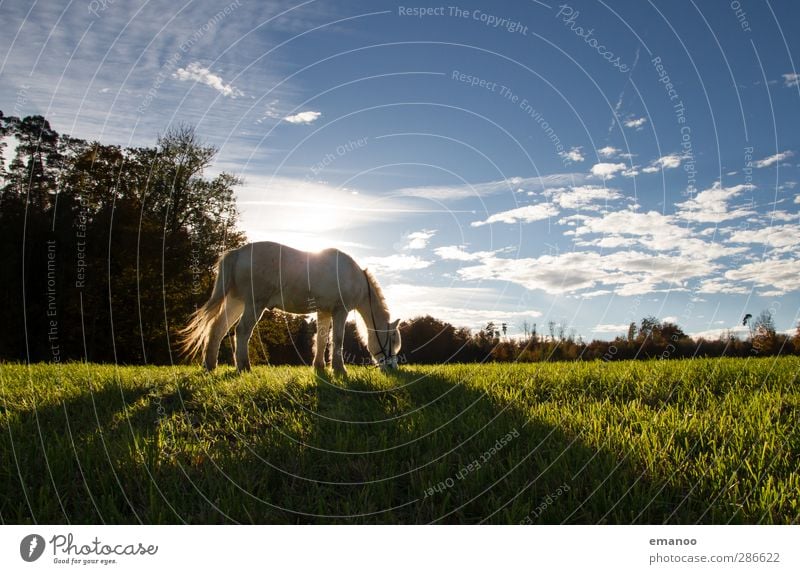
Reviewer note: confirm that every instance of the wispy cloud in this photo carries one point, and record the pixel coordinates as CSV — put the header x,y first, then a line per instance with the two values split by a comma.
x,y
303,117
418,239
715,334
716,286
270,112
574,155
791,80
768,161
782,238
610,328
459,253
582,196
626,272
711,205
524,214
196,72
608,152
779,275
636,123
471,307
395,263
670,161
485,189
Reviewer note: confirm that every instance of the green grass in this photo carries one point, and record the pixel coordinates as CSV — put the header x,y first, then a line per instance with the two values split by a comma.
x,y
709,441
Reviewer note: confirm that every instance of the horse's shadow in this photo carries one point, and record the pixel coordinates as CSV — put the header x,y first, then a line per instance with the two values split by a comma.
x,y
403,447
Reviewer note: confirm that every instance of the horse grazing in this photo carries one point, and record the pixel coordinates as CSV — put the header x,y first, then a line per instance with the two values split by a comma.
x,y
267,275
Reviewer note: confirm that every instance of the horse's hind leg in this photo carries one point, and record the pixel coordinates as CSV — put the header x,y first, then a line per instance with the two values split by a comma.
x,y
323,331
244,330
231,309
339,322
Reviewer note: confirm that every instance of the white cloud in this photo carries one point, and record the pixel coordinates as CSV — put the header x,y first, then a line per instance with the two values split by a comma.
x,y
457,253
791,80
596,293
613,242
607,170
418,239
739,331
711,205
797,198
779,275
197,73
524,214
650,229
303,117
395,263
582,197
720,286
670,161
776,293
485,189
783,238
633,172
627,272
470,307
608,151
610,328
768,161
573,155
781,216
636,123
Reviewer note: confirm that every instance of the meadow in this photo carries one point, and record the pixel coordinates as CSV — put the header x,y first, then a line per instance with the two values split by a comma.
x,y
621,442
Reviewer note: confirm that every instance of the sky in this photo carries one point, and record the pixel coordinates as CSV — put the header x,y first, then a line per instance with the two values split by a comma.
x,y
521,162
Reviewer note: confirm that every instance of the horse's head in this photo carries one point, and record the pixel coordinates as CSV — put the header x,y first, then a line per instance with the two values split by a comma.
x,y
384,344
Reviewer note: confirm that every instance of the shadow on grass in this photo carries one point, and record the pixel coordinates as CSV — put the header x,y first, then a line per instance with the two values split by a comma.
x,y
409,447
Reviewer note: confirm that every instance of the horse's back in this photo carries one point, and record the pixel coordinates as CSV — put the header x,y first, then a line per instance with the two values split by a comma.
x,y
327,278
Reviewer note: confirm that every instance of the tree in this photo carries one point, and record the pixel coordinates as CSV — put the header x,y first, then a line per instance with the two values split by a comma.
x,y
796,340
34,169
647,325
762,333
126,237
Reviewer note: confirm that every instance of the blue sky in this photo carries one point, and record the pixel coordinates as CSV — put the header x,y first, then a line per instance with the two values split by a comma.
x,y
587,163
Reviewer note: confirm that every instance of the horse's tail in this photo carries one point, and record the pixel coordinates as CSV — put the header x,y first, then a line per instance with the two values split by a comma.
x,y
194,336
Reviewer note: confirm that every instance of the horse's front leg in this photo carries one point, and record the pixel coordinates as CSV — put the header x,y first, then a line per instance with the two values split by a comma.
x,y
323,331
244,331
339,322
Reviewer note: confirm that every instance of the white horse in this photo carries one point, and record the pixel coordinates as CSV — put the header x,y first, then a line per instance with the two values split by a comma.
x,y
268,275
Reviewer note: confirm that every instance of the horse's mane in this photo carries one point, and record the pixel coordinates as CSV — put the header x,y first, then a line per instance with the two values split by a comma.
x,y
378,299
379,307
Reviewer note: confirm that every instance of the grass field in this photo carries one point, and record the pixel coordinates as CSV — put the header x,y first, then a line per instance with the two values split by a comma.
x,y
709,441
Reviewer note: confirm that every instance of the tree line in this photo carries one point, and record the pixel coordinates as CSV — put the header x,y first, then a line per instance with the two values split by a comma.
x,y
107,250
